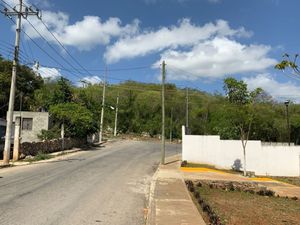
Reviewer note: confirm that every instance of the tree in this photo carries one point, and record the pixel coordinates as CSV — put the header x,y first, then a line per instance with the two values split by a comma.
x,y
78,120
238,95
52,93
287,63
27,82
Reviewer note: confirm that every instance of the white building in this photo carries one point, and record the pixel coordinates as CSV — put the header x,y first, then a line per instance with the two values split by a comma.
x,y
32,123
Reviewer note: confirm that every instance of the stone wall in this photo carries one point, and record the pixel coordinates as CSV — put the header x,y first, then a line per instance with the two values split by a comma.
x,y
32,148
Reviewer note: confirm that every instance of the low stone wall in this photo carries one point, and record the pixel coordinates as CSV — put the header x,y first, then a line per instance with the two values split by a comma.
x,y
32,148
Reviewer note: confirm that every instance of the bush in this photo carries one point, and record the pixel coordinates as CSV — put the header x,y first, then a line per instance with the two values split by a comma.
x,y
51,134
184,163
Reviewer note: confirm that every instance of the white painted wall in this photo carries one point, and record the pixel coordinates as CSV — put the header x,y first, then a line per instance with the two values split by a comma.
x,y
40,121
263,160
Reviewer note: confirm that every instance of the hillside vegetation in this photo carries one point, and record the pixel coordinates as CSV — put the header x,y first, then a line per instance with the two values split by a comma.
x,y
140,108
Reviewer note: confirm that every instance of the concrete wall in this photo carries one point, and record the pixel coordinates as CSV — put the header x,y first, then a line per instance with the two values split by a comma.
x,y
263,160
40,121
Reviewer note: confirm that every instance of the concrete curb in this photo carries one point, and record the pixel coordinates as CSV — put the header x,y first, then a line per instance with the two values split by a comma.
x,y
56,156
150,217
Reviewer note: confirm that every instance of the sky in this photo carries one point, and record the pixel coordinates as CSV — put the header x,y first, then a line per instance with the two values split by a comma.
x,y
201,41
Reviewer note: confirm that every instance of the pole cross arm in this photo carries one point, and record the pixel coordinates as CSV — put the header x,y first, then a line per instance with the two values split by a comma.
x,y
24,13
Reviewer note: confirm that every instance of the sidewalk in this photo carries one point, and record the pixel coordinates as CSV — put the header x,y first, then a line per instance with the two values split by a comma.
x,y
170,202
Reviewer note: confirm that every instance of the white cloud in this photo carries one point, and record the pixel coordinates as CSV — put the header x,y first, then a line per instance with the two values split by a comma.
x,y
183,35
280,91
216,58
85,34
214,1
92,79
47,72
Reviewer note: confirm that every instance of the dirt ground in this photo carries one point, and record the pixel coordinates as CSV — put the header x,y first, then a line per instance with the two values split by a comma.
x,y
236,208
289,180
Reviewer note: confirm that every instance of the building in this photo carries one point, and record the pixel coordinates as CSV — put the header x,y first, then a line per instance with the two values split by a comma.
x,y
2,133
2,127
32,123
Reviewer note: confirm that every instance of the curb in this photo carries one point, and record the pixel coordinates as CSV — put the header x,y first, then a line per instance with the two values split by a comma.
x,y
150,217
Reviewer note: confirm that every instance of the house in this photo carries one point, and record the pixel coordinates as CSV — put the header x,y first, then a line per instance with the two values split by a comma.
x,y
2,127
32,123
2,133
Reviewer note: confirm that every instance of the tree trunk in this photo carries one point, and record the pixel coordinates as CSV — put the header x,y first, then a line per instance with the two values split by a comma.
x,y
245,170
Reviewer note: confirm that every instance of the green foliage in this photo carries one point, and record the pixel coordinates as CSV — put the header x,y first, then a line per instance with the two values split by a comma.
x,y
27,82
140,107
78,120
52,93
51,134
287,63
236,91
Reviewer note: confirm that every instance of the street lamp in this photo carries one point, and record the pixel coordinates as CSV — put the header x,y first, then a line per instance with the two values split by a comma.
x,y
287,103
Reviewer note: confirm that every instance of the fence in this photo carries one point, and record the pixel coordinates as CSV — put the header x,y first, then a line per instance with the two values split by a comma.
x,y
228,154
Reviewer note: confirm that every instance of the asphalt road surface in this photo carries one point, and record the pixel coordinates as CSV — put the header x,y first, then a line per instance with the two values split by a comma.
x,y
106,185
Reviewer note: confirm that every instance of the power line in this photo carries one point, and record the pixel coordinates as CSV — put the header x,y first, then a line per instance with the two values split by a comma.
x,y
47,44
52,46
72,57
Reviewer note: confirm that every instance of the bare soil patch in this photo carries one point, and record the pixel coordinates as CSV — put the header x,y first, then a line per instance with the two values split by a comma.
x,y
290,180
235,207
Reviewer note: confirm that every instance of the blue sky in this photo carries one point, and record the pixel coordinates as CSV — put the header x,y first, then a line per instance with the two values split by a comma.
x,y
202,41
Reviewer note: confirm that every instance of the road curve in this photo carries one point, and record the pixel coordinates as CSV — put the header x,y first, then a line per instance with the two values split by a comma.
x,y
101,186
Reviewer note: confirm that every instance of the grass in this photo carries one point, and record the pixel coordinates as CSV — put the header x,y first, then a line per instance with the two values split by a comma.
x,y
40,156
235,208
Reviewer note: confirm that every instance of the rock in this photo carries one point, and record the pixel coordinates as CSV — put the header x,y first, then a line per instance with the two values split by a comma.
x,y
29,157
22,156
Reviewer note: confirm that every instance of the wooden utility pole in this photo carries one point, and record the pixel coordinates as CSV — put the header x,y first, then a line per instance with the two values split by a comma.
x,y
116,116
163,150
20,12
103,105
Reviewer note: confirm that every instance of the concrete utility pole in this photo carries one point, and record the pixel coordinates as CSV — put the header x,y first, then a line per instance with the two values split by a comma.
x,y
163,150
187,108
19,13
287,102
116,116
18,132
62,135
171,125
103,105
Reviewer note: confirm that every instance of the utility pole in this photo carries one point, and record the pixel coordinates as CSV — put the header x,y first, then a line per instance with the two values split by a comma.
x,y
187,109
18,132
19,13
116,116
287,102
163,150
171,125
103,105
62,135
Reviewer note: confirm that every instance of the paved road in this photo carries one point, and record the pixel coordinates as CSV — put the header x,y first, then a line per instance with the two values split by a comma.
x,y
102,186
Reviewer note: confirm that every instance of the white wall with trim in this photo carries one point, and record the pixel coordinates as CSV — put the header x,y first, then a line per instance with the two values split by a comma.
x,y
264,160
